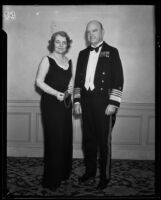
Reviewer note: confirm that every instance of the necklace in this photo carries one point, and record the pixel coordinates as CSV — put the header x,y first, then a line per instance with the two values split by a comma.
x,y
62,61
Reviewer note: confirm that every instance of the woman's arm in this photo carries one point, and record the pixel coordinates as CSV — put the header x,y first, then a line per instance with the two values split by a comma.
x,y
42,71
71,85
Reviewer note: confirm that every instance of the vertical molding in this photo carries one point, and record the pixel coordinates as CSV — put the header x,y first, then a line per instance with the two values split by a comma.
x,y
148,130
33,126
37,125
144,129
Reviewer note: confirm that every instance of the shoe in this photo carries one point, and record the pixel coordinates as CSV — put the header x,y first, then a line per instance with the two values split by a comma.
x,y
85,177
102,184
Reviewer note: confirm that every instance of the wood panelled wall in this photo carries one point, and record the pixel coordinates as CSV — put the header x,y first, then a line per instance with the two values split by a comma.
x,y
133,136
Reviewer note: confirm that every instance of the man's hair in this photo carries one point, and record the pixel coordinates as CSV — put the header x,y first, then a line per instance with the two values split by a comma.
x,y
96,22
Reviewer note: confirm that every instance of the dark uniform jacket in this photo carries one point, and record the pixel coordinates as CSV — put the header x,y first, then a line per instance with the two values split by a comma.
x,y
108,75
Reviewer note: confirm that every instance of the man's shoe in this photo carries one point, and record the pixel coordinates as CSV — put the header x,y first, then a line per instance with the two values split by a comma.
x,y
85,177
102,184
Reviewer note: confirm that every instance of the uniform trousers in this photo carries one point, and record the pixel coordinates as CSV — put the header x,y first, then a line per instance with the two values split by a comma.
x,y
96,138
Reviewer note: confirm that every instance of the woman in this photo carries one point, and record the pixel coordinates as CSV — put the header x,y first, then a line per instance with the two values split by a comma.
x,y
54,78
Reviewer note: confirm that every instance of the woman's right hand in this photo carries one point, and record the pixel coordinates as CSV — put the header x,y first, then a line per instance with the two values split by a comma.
x,y
60,96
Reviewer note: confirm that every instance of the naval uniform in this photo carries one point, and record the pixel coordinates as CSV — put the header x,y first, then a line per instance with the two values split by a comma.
x,y
94,89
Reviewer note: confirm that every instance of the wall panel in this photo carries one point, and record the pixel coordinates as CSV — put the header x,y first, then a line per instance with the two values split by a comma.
x,y
133,135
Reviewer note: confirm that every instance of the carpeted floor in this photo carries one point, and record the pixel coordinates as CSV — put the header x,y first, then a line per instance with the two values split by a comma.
x,y
129,178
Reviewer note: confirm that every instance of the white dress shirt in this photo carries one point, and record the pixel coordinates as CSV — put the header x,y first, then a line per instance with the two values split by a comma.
x,y
91,68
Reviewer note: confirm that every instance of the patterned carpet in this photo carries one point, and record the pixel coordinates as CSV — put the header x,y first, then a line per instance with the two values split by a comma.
x,y
129,178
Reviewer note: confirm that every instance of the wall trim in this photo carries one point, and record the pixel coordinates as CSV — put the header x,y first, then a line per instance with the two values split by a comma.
x,y
77,153
34,103
148,133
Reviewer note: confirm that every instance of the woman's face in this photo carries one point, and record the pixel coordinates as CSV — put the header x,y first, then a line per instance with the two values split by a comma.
x,y
60,44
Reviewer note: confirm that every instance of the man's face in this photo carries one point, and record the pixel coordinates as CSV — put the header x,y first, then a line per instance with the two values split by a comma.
x,y
94,33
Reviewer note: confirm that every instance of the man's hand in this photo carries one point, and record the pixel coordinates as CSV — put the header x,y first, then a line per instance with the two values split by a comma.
x,y
110,110
77,109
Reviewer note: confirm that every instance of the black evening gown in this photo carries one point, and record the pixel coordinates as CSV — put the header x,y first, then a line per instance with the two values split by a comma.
x,y
58,130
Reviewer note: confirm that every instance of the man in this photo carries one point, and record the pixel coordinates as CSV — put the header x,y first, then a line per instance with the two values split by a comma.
x,y
97,96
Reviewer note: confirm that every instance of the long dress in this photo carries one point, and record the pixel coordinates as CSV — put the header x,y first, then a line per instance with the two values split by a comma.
x,y
58,131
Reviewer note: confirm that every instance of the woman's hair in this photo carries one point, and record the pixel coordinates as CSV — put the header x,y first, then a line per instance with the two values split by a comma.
x,y
51,46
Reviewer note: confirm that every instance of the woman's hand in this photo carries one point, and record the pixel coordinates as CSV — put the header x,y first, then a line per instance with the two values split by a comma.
x,y
60,96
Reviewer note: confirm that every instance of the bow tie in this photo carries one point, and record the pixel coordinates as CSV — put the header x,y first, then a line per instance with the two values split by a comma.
x,y
96,48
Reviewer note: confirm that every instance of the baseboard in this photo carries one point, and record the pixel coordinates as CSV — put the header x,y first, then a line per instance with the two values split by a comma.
x,y
77,153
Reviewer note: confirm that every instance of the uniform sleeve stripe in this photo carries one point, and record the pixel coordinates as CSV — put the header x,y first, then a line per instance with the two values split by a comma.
x,y
76,89
117,95
115,98
77,93
116,92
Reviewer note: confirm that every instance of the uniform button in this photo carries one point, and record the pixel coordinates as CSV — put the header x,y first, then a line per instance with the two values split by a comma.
x,y
102,81
101,89
103,73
